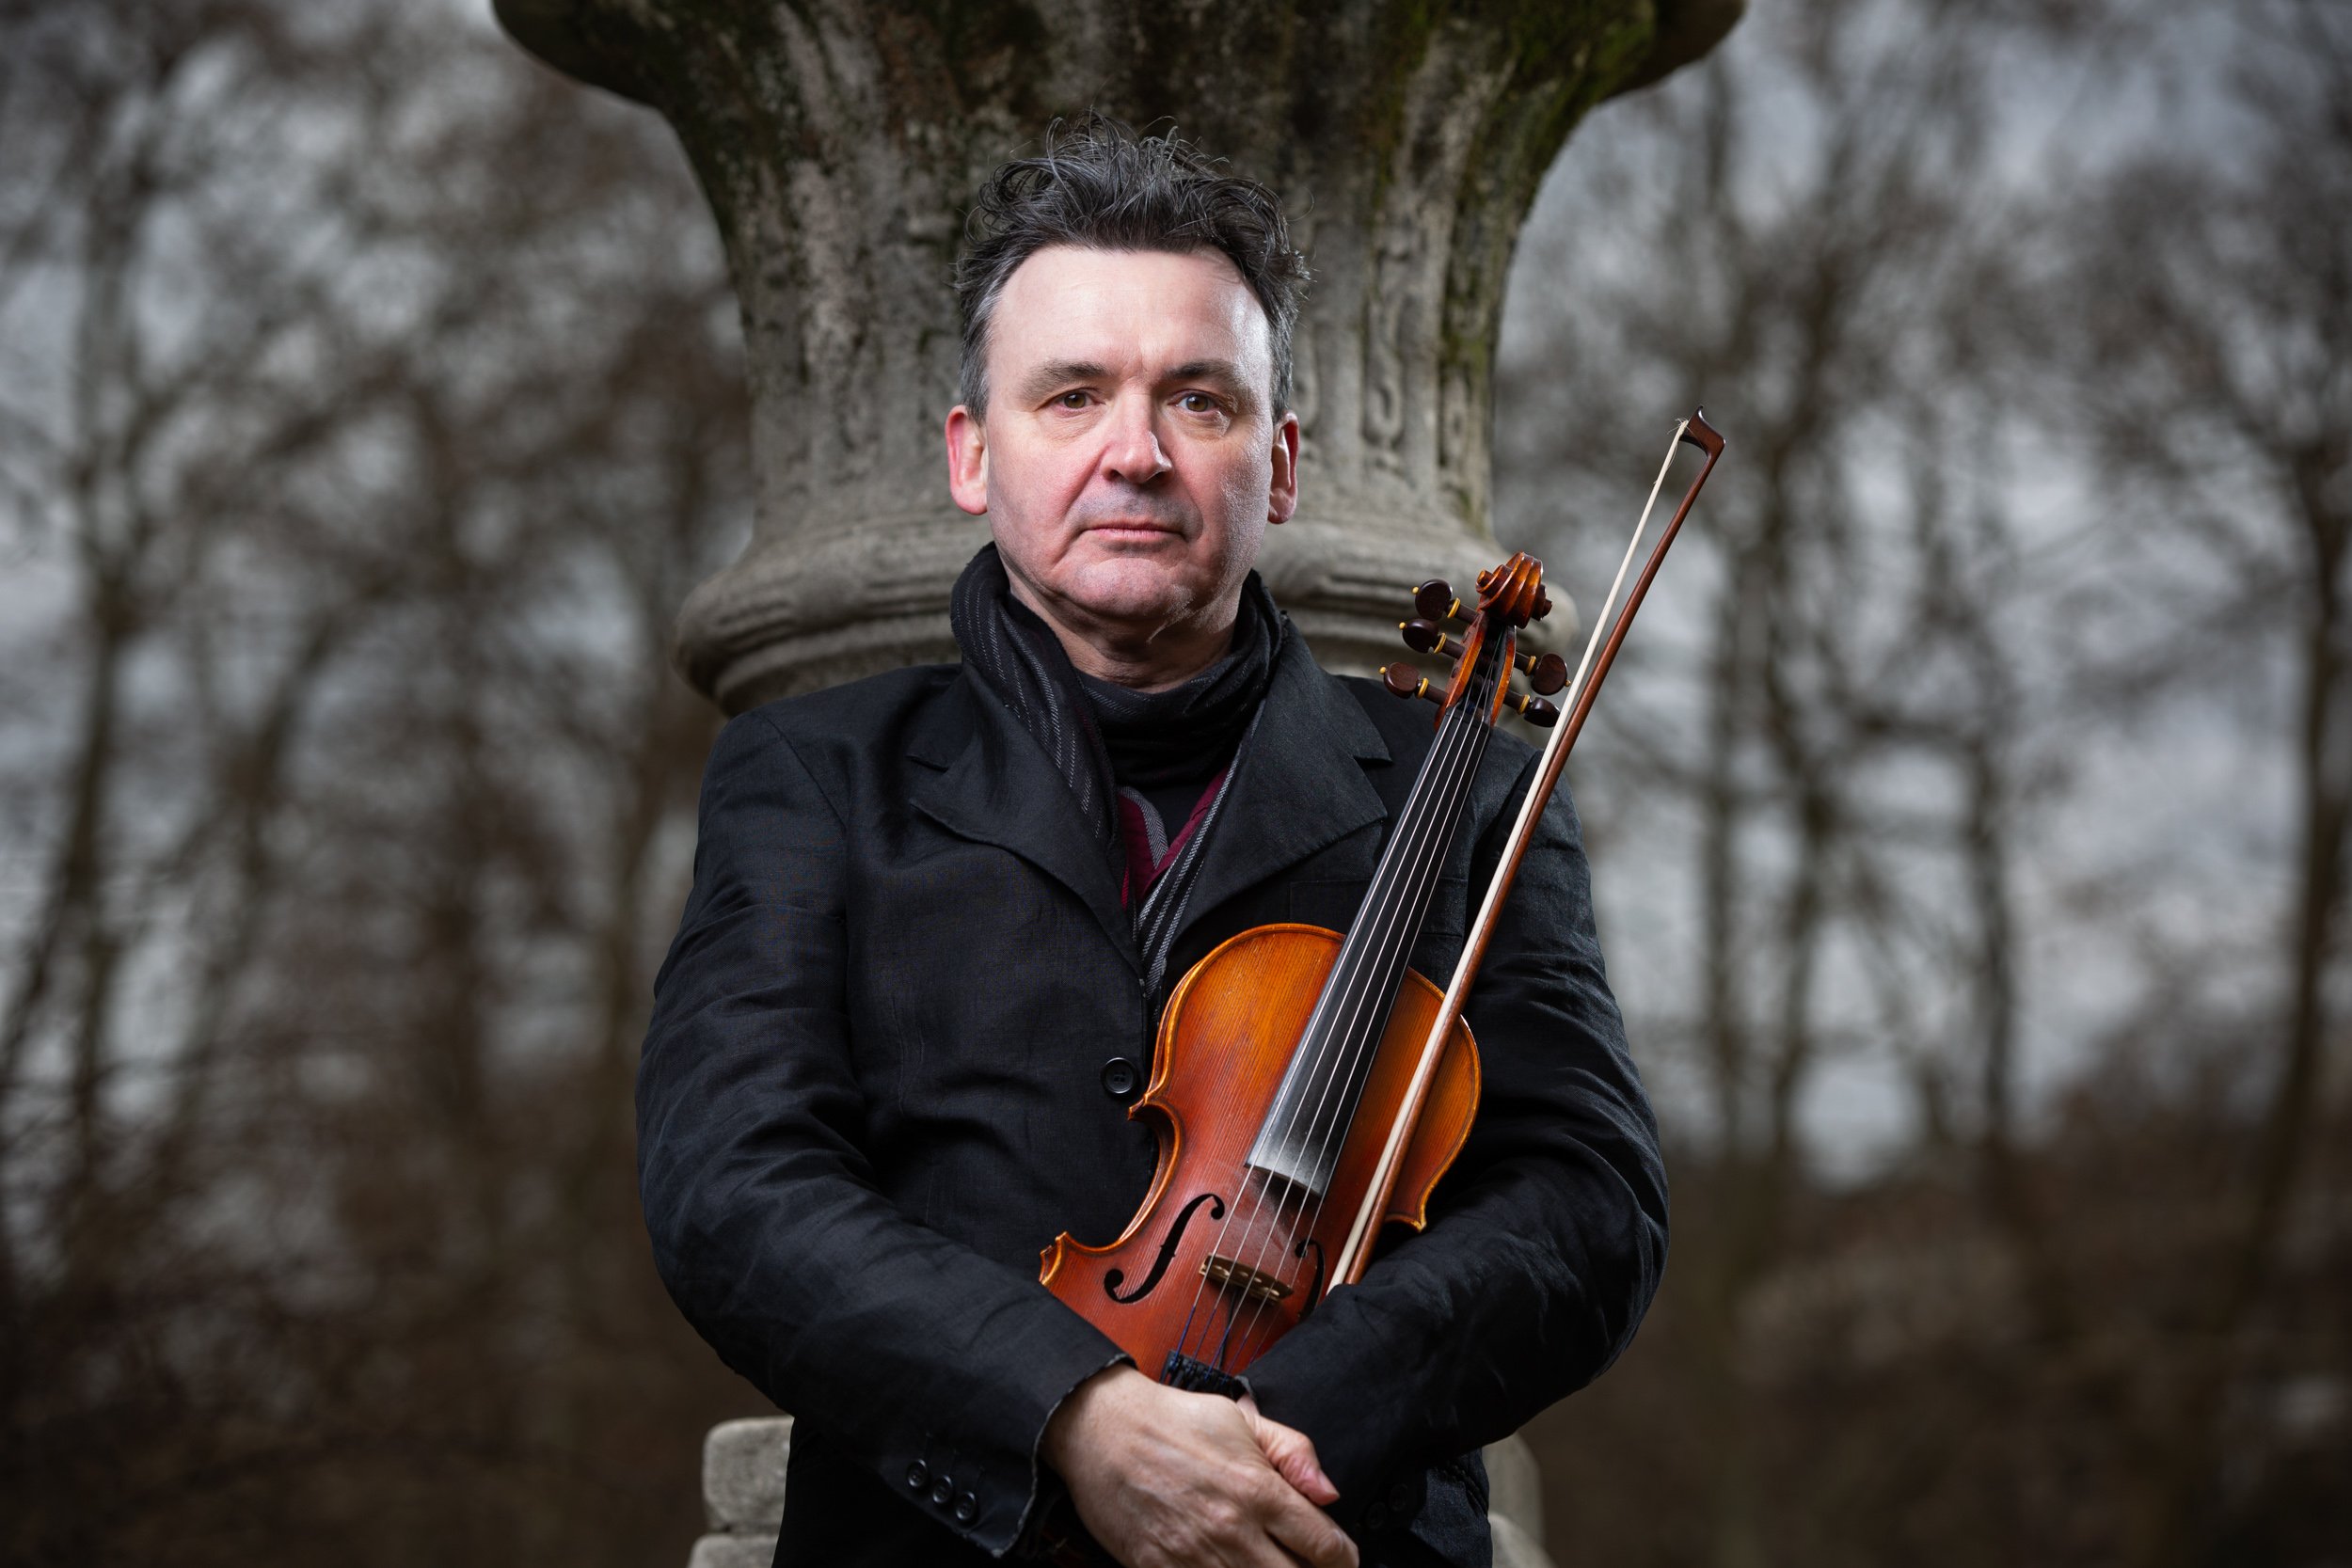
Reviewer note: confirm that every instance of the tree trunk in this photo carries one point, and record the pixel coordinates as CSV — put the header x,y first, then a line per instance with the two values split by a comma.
x,y
839,144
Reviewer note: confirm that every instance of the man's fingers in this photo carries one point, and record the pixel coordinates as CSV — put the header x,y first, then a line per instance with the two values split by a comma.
x,y
1297,1521
1171,1479
1299,1527
1293,1456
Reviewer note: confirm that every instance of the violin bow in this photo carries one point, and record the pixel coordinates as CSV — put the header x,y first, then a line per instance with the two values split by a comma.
x,y
1577,702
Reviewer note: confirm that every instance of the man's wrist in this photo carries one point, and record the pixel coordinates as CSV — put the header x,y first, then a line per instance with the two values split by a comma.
x,y
1062,1436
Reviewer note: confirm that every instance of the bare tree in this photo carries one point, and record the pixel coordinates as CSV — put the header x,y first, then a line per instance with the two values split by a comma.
x,y
368,401
2210,300
1860,781
1817,751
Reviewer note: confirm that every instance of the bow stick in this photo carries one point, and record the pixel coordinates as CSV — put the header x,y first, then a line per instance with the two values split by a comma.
x,y
1577,702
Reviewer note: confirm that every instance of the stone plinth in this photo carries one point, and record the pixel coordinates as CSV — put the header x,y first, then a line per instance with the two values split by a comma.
x,y
742,1493
744,1497
840,143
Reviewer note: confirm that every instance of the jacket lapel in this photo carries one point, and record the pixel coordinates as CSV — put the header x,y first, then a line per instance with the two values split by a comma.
x,y
1299,787
993,785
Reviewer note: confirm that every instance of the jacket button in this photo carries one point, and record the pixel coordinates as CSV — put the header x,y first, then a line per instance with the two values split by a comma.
x,y
918,1476
1119,1078
943,1489
1402,1497
967,1509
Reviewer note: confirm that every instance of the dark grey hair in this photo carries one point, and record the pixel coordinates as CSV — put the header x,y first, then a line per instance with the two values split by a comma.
x,y
1099,185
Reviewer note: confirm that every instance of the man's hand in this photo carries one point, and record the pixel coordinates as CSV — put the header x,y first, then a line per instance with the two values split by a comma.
x,y
1164,1479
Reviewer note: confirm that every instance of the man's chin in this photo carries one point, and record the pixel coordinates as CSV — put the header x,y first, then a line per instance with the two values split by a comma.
x,y
1132,595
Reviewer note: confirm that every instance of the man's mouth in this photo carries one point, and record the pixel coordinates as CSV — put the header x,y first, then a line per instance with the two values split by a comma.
x,y
1136,528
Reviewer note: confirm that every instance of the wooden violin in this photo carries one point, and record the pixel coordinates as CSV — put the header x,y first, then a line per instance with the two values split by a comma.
x,y
1307,1087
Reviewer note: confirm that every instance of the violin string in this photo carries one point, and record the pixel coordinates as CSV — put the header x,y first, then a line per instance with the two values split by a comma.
x,y
1334,999
1430,834
1354,987
1382,972
1341,1013
1192,1310
1361,993
1377,988
1251,1178
1265,1197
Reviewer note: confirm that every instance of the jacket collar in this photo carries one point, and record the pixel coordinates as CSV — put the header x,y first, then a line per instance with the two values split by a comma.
x,y
1300,788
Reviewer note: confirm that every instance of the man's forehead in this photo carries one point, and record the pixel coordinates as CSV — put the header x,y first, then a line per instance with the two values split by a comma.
x,y
1142,261
1064,297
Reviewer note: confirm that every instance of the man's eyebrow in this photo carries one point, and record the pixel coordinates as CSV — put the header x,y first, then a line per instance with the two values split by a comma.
x,y
1057,373
1223,370
1044,380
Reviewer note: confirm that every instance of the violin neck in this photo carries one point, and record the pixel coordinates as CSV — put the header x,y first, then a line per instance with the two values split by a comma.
x,y
1303,1131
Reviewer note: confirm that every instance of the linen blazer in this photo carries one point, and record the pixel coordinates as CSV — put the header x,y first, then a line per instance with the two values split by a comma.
x,y
884,1071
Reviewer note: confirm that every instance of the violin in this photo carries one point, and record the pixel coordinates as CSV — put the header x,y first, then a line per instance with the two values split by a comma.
x,y
1308,1088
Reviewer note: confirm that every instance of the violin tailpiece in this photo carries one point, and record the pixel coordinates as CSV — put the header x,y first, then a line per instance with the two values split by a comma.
x,y
1198,1377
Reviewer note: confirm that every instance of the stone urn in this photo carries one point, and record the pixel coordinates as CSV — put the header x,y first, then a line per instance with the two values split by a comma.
x,y
840,143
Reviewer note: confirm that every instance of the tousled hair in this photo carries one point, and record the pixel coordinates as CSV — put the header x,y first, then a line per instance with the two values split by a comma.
x,y
1098,185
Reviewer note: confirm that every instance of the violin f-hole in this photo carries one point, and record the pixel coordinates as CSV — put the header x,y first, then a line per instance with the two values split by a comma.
x,y
1116,1277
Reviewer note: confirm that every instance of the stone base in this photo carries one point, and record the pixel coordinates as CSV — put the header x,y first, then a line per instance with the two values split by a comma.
x,y
759,1551
861,601
742,1493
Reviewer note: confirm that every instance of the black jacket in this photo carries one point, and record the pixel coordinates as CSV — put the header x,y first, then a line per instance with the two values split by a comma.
x,y
879,1079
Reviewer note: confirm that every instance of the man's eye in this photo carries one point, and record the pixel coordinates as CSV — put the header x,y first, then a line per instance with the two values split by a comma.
x,y
1071,400
1198,402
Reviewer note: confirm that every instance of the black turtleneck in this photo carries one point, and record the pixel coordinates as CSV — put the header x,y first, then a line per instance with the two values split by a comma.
x,y
1168,746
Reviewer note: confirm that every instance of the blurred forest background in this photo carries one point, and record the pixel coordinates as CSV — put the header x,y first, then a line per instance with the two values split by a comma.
x,y
1969,824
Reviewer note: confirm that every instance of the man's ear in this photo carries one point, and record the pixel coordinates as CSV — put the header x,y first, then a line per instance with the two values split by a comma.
x,y
967,460
1282,494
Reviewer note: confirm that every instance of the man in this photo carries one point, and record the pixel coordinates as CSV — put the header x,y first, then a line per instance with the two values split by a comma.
x,y
936,914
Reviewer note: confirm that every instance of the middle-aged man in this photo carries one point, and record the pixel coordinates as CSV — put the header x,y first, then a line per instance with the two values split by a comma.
x,y
936,914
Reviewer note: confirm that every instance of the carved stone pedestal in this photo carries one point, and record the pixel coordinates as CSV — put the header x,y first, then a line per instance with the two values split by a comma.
x,y
839,143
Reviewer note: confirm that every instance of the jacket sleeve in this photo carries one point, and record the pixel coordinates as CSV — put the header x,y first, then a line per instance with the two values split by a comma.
x,y
932,1364
1546,1239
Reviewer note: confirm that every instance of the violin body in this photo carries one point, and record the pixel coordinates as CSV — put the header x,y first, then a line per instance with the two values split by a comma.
x,y
1223,1260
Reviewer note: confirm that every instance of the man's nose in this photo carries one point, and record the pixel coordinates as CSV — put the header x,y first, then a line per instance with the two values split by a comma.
x,y
1135,453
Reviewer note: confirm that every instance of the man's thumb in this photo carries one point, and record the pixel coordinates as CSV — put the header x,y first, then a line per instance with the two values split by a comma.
x,y
1293,1457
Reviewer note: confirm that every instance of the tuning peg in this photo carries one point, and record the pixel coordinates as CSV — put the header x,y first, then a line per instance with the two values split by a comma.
x,y
1534,709
1425,637
1434,601
1402,680
1546,673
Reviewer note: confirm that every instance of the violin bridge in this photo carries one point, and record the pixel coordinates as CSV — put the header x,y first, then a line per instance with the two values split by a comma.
x,y
1256,1282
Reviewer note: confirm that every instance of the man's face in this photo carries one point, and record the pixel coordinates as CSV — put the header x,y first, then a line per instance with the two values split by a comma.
x,y
1130,460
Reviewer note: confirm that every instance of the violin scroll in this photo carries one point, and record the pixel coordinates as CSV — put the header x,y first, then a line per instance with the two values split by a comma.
x,y
1513,590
